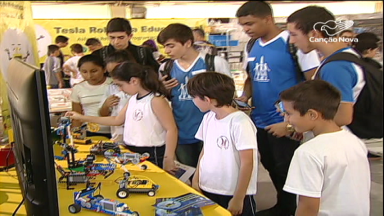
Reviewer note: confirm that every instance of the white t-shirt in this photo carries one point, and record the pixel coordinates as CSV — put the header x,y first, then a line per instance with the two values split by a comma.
x,y
223,139
333,167
112,89
72,63
89,97
141,127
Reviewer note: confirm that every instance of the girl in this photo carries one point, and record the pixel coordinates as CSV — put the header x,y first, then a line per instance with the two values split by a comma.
x,y
149,125
114,99
86,95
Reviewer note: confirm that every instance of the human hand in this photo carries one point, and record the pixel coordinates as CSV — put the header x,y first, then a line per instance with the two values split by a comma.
x,y
195,183
169,165
235,206
112,101
169,84
278,129
73,115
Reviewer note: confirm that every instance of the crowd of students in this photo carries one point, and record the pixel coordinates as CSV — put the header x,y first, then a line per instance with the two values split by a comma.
x,y
187,114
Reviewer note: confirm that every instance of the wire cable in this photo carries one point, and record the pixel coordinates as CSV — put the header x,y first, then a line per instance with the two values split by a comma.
x,y
17,209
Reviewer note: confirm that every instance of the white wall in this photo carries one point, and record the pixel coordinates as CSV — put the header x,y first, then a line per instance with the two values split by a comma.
x,y
70,11
280,10
192,10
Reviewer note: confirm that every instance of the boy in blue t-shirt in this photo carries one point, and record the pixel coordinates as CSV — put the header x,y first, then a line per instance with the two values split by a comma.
x,y
272,69
346,76
177,40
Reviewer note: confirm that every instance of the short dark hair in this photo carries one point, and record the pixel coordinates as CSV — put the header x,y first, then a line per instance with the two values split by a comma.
x,y
306,20
92,41
118,56
214,85
366,41
52,48
61,39
176,31
119,24
255,8
345,31
77,48
199,31
95,59
314,94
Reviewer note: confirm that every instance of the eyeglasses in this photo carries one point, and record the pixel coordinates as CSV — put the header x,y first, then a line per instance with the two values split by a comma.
x,y
279,106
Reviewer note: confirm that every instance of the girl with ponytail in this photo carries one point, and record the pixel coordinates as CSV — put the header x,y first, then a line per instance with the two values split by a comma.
x,y
149,125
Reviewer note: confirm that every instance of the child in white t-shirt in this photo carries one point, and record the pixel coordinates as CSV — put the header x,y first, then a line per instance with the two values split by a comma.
x,y
71,64
227,168
114,100
329,173
149,125
86,95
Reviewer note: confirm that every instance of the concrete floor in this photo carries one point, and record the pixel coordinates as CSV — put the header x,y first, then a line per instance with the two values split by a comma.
x,y
266,194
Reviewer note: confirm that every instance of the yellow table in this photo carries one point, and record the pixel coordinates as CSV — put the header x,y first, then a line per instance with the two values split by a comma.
x,y
169,187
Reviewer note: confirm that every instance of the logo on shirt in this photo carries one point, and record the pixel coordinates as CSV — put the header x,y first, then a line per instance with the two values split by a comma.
x,y
184,91
137,115
222,142
261,71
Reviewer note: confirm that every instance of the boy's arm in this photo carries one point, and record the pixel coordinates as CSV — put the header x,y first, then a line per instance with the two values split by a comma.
x,y
196,175
235,205
344,81
308,206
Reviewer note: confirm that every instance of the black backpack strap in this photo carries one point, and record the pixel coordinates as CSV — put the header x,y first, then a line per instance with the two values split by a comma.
x,y
142,55
250,44
293,51
210,62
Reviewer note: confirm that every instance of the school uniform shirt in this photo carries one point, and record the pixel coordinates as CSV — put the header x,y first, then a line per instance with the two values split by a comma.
x,y
272,70
333,167
223,140
116,131
141,127
345,76
187,116
72,63
89,97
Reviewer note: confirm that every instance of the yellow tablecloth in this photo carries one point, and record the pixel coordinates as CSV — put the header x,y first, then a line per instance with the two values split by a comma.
x,y
10,194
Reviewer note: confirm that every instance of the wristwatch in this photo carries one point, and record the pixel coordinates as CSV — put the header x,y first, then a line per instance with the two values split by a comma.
x,y
290,128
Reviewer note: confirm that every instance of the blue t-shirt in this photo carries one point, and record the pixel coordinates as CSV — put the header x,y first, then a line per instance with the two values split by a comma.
x,y
272,71
346,76
187,116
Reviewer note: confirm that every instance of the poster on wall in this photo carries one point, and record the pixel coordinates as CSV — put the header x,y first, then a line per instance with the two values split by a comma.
x,y
17,40
78,31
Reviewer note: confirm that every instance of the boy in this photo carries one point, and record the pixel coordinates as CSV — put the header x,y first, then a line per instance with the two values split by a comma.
x,y
71,64
114,99
177,40
93,44
227,167
52,68
325,170
119,32
272,69
368,46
